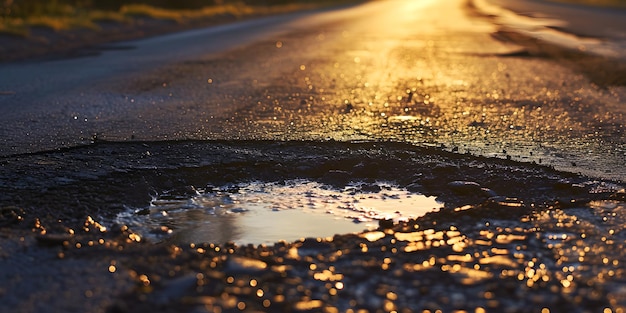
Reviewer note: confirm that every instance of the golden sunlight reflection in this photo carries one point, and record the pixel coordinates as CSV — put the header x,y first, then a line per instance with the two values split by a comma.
x,y
308,305
248,263
373,236
327,275
267,213
477,256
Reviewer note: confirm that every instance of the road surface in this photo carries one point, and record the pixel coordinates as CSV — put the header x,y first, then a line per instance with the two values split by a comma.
x,y
186,137
588,21
423,72
592,30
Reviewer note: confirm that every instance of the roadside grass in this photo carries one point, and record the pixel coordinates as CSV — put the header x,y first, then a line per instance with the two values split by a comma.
x,y
597,3
206,12
14,27
73,18
61,22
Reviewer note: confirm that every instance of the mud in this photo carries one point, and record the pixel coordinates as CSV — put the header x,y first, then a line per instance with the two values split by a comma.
x,y
512,236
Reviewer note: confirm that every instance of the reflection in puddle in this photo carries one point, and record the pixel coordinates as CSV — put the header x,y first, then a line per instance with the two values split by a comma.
x,y
268,212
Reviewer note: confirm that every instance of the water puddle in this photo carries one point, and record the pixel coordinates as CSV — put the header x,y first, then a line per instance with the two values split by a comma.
x,y
265,213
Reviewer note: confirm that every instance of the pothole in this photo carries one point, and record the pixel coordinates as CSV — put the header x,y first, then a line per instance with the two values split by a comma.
x,y
264,213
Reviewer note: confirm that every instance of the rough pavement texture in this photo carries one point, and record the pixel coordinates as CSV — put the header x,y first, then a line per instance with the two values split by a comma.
x,y
555,243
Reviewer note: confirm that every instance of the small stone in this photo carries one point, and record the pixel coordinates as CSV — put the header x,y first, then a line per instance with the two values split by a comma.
x,y
385,224
414,187
464,187
488,192
144,211
11,215
236,264
313,246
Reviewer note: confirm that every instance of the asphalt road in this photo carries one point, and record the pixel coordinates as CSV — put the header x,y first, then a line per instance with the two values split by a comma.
x,y
593,30
424,72
512,236
582,20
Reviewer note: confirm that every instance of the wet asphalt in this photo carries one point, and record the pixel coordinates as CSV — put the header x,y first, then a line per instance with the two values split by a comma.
x,y
395,71
511,237
520,142
587,21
